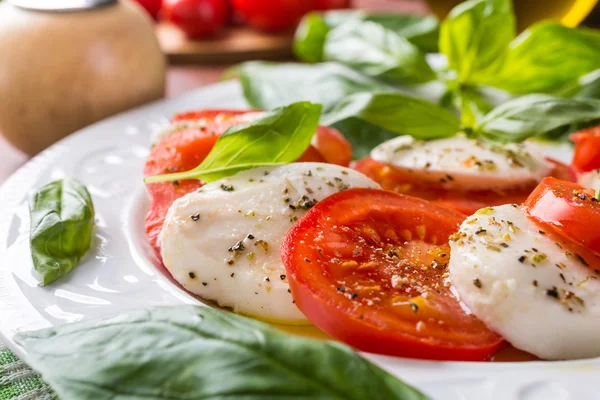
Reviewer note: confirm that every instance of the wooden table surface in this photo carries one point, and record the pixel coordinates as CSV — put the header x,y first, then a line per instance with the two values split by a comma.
x,y
181,79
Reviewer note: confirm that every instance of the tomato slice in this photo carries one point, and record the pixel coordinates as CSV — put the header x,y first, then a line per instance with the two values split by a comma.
x,y
467,202
369,267
587,150
569,208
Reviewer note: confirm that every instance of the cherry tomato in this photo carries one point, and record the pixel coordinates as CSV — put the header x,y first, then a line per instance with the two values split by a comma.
x,y
569,208
324,5
273,15
467,202
197,18
369,268
587,150
152,6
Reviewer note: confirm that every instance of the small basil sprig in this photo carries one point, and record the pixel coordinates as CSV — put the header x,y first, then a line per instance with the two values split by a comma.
x,y
278,137
195,352
367,119
547,58
535,115
62,226
376,51
475,38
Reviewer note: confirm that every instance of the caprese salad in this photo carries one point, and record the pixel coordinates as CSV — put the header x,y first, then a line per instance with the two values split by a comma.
x,y
260,213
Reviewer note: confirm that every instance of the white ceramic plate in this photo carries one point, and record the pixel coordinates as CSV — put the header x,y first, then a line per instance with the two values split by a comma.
x,y
121,272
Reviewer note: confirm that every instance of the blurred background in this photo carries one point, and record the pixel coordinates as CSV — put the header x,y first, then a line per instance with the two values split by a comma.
x,y
57,56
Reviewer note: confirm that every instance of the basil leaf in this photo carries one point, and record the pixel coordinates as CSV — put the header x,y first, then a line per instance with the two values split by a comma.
x,y
475,38
548,57
535,115
279,137
586,86
195,352
362,135
269,85
391,113
309,39
376,51
62,226
422,31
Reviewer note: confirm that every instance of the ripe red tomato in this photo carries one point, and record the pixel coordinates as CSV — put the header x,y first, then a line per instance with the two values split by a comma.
x,y
369,266
152,6
273,15
587,150
570,209
197,18
324,5
467,202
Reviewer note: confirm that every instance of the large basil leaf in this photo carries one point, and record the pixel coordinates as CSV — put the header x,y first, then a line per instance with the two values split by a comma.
x,y
475,38
377,51
422,31
536,115
269,85
548,57
184,353
383,114
278,137
62,227
586,86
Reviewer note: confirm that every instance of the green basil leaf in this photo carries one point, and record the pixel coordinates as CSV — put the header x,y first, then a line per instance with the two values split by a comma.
x,y
547,57
279,137
269,85
390,113
535,115
310,36
62,227
422,31
377,51
362,135
586,86
195,352
475,38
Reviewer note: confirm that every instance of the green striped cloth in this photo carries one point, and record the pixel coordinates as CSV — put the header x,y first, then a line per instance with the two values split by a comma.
x,y
18,381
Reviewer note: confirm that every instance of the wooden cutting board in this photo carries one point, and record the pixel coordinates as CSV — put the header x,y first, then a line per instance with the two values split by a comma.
x,y
234,45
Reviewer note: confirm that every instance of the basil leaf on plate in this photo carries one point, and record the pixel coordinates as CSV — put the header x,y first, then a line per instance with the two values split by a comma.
x,y
547,57
386,114
195,352
268,85
422,31
586,86
376,51
278,137
310,36
535,115
475,38
62,227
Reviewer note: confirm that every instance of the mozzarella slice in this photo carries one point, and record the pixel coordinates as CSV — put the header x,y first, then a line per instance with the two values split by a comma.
x,y
523,285
467,164
223,242
590,179
172,127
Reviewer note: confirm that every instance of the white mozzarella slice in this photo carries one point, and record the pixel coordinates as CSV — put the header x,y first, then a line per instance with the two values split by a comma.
x,y
590,179
467,164
526,287
223,242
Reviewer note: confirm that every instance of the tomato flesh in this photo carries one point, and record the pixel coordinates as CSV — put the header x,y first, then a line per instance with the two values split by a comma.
x,y
467,202
587,150
198,19
273,15
369,267
569,208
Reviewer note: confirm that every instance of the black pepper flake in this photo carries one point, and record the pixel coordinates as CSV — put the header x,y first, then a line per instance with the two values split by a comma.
x,y
535,283
282,277
195,217
552,292
267,279
204,284
292,207
307,260
341,289
287,199
505,245
239,246
227,188
192,275
414,307
354,296
562,277
480,231
477,283
450,177
534,249
337,179
522,259
542,232
232,274
582,260
250,236
289,291
230,262
175,183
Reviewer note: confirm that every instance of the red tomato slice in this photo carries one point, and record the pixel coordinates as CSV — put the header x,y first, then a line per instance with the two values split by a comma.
x,y
467,202
369,267
587,150
569,208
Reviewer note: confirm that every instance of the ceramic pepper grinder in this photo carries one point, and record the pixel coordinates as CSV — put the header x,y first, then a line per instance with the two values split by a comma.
x,y
65,64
